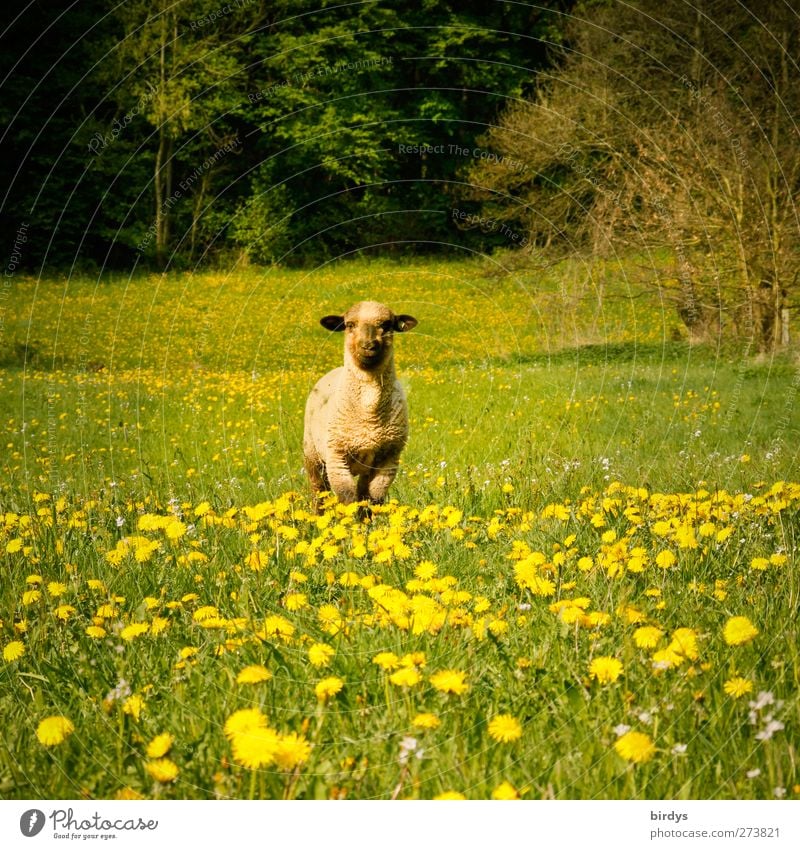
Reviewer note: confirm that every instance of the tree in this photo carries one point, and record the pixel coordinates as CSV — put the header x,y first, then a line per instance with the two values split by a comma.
x,y
668,124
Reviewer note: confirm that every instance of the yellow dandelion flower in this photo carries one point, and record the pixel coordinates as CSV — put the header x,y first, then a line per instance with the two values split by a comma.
x,y
320,654
277,626
350,579
95,632
738,631
131,632
159,624
684,642
425,570
647,637
426,720
64,611
408,676
635,747
505,728
255,747
759,563
13,651
31,597
328,687
605,670
738,687
665,559
255,674
291,751
128,794
295,601
162,770
449,795
159,745
242,721
386,660
505,791
133,706
54,730
13,546
450,681
56,589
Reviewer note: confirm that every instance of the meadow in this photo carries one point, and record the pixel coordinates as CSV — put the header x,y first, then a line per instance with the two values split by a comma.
x,y
585,584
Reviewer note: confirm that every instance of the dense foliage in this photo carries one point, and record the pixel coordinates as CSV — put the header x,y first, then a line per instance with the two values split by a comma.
x,y
163,132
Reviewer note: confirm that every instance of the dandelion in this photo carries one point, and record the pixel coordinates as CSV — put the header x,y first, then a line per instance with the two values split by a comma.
x,y
328,687
320,654
255,674
647,637
243,721
665,559
684,642
133,706
255,747
131,632
54,730
159,745
450,681
738,631
13,651
408,676
426,720
425,570
386,660
505,792
278,626
737,687
605,670
295,601
505,728
162,770
96,632
449,795
291,751
635,747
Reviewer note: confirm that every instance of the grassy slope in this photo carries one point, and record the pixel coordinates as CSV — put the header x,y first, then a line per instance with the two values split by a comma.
x,y
522,392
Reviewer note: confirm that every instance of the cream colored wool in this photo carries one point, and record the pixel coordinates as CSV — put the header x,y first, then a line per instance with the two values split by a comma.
x,y
356,421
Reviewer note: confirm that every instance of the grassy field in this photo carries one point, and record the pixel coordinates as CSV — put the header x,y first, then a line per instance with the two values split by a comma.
x,y
586,585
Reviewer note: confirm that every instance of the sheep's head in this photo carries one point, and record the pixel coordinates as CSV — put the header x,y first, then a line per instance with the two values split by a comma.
x,y
369,329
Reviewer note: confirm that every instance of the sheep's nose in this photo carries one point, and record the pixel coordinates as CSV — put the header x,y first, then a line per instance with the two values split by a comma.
x,y
370,346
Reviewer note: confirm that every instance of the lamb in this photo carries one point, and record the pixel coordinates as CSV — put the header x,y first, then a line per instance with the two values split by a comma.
x,y
356,419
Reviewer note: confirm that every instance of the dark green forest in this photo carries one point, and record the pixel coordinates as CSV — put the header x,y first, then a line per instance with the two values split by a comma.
x,y
175,133
188,133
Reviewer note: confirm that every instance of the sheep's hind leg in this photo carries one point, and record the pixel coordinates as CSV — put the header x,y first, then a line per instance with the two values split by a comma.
x,y
382,479
318,481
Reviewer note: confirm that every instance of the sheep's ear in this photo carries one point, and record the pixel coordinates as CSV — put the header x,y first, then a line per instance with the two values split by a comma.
x,y
332,322
404,322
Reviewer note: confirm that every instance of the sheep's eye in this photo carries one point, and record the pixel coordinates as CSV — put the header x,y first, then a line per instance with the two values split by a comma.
x,y
349,325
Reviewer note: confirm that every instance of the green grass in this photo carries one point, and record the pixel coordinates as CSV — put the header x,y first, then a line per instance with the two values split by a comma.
x,y
163,395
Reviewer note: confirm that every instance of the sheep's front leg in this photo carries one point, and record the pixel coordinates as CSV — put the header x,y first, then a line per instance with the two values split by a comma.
x,y
382,479
341,480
